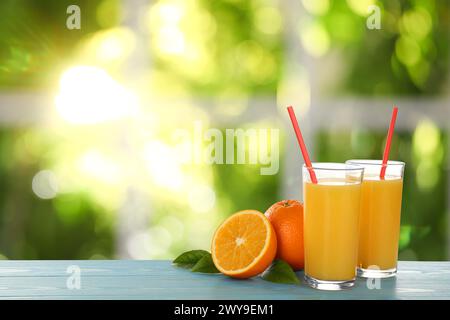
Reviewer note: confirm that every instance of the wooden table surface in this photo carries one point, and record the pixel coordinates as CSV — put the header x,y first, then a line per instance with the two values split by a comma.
x,y
132,279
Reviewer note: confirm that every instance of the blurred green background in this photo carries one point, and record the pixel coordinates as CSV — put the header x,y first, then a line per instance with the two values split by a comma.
x,y
88,164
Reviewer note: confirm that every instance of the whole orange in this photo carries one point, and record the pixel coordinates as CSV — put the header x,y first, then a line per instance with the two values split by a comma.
x,y
286,217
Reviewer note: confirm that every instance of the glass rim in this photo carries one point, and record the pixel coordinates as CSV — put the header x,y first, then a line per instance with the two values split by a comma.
x,y
334,166
373,162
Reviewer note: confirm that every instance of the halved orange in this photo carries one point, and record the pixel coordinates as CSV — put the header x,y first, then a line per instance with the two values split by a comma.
x,y
244,245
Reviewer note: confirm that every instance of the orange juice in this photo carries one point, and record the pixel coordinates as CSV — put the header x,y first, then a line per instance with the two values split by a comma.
x,y
380,222
331,212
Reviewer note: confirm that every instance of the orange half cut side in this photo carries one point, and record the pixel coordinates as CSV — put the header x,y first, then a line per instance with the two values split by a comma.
x,y
244,245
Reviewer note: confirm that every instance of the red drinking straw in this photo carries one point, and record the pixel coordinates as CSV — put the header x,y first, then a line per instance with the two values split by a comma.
x,y
301,143
387,148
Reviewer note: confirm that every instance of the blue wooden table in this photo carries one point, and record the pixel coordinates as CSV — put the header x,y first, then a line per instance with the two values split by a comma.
x,y
125,279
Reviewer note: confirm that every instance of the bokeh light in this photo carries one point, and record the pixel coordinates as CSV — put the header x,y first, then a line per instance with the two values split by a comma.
x,y
426,140
109,46
318,7
45,184
163,165
268,20
360,6
315,39
417,23
407,50
427,175
88,95
165,17
202,198
94,164
428,151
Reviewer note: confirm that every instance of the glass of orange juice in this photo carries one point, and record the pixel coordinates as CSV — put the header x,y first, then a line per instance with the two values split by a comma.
x,y
379,226
331,212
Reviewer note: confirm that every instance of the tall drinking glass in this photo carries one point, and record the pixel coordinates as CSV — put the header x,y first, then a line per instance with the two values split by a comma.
x,y
379,226
331,212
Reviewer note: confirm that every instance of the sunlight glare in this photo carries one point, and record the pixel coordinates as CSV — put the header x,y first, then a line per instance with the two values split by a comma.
x,y
163,166
88,95
98,166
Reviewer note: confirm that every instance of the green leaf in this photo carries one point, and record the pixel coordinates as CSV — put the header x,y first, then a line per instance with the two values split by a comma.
x,y
205,265
280,272
188,259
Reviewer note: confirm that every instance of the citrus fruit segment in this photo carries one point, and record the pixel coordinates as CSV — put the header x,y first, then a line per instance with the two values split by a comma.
x,y
286,218
244,245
